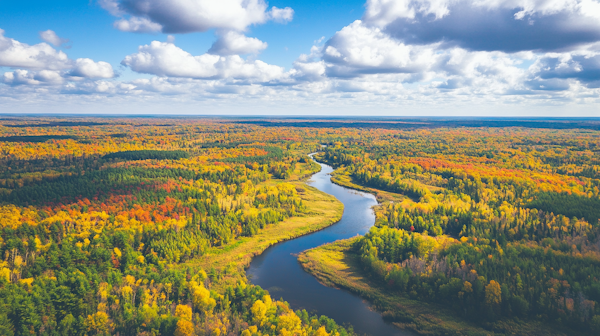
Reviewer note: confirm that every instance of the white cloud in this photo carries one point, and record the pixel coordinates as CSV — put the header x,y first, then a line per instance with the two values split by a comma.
x,y
490,25
19,77
403,53
112,6
281,15
49,76
51,37
394,43
137,25
383,12
564,68
358,49
166,59
25,77
177,16
101,87
308,71
42,64
87,68
15,54
234,43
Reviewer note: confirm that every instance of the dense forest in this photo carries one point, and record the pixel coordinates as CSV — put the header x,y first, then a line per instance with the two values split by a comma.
x,y
105,224
500,224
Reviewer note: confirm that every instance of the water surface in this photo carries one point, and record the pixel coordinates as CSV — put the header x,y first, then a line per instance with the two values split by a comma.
x,y
277,269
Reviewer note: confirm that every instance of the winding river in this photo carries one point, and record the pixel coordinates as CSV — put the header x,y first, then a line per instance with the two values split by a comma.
x,y
278,270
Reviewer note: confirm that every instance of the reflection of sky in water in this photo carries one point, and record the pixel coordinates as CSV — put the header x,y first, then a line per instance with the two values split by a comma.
x,y
277,269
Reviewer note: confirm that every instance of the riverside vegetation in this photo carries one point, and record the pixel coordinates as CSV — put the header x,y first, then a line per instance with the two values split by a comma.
x,y
498,225
144,226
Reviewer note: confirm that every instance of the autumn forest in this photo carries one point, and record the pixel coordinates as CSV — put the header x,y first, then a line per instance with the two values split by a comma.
x,y
145,226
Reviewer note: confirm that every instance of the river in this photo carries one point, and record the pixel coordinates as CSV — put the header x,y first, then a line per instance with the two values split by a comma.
x,y
277,269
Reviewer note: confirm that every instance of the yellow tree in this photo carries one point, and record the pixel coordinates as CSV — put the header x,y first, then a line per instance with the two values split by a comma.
x,y
183,312
289,323
184,328
259,311
493,293
201,298
97,324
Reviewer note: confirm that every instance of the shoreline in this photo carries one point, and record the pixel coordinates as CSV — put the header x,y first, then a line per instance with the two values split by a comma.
x,y
336,265
323,210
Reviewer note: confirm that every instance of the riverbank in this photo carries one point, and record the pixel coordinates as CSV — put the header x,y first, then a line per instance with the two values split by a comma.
x,y
336,265
343,179
232,260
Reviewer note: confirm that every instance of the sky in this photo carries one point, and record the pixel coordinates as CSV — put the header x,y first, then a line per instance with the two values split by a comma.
x,y
288,57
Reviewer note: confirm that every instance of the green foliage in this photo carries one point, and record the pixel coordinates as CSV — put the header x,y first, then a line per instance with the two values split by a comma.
x,y
461,274
569,205
148,155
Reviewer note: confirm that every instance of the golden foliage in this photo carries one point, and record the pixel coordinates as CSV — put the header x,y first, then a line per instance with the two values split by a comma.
x,y
184,328
184,312
97,323
493,293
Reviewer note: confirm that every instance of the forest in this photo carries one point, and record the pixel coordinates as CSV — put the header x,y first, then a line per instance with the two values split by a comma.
x,y
499,224
107,224
104,225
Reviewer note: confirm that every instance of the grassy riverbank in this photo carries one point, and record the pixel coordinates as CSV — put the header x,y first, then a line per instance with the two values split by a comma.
x,y
232,259
336,265
341,177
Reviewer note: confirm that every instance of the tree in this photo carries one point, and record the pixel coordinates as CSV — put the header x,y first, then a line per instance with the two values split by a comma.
x,y
97,323
184,328
493,293
289,322
259,311
321,332
183,312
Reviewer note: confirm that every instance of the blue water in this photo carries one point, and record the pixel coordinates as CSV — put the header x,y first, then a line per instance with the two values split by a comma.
x,y
277,269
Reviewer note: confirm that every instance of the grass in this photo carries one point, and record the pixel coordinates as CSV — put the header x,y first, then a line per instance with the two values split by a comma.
x,y
336,265
340,177
304,170
323,210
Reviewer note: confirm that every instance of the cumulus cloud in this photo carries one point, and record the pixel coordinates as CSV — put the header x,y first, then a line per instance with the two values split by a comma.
x,y
582,67
479,72
490,25
166,59
87,68
91,87
558,70
137,25
234,43
15,54
19,77
410,52
281,15
25,77
176,16
358,49
309,71
41,64
51,37
463,47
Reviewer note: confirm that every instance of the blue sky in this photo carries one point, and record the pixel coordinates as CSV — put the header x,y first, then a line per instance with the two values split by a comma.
x,y
379,57
90,28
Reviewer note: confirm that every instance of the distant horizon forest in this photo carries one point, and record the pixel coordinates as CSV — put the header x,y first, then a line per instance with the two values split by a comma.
x,y
145,226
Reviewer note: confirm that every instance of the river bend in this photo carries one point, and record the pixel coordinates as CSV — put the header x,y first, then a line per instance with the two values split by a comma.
x,y
277,269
